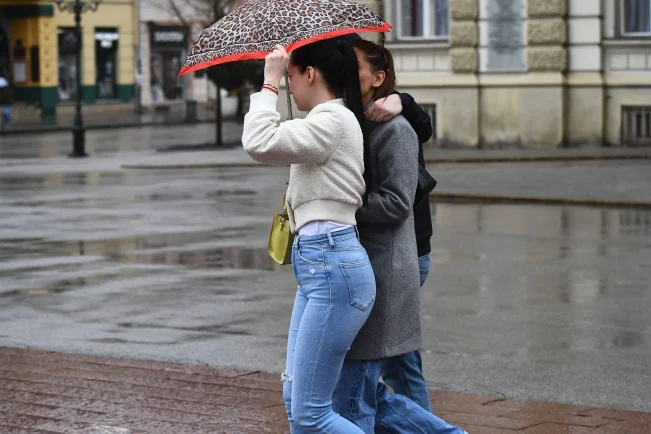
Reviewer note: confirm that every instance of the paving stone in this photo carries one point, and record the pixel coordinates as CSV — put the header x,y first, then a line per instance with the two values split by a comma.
x,y
488,421
69,395
550,407
628,427
443,406
619,415
566,419
474,429
124,393
555,428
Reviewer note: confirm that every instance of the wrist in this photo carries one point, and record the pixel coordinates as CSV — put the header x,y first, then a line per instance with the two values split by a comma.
x,y
275,82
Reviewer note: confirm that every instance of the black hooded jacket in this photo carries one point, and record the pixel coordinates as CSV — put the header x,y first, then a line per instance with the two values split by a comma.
x,y
422,124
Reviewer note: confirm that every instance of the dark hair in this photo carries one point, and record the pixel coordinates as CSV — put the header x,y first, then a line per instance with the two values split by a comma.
x,y
380,59
337,62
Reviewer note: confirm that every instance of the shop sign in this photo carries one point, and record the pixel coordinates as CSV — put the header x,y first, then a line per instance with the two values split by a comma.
x,y
106,39
168,37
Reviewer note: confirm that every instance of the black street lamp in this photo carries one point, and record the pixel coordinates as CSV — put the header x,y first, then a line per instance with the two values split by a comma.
x,y
78,7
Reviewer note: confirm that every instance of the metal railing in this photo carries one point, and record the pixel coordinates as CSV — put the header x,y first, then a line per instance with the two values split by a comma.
x,y
636,126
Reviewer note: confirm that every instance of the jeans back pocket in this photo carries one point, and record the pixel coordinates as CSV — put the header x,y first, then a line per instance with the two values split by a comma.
x,y
361,283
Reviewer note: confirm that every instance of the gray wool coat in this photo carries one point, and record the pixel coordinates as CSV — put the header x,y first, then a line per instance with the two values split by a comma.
x,y
386,227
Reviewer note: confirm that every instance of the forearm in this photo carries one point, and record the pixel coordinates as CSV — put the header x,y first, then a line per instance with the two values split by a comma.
x,y
299,141
384,207
259,136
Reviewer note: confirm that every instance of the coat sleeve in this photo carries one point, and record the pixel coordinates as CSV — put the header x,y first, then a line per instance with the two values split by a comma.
x,y
418,118
397,176
300,141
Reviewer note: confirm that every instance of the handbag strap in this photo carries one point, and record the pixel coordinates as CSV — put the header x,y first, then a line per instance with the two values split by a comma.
x,y
285,212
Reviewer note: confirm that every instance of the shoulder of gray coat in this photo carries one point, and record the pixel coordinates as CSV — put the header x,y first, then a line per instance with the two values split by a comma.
x,y
397,129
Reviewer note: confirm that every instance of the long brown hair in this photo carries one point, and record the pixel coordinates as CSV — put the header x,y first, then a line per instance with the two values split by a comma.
x,y
380,59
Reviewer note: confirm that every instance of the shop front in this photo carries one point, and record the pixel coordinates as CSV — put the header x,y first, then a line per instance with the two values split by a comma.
x,y
168,45
107,42
67,40
107,53
27,52
5,58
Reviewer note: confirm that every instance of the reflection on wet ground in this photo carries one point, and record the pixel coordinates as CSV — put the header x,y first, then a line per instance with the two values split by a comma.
x,y
109,141
535,302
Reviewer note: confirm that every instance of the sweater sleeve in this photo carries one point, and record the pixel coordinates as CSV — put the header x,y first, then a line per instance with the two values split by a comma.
x,y
397,177
300,141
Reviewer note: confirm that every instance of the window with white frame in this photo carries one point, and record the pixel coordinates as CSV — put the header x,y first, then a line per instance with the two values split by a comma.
x,y
636,17
423,19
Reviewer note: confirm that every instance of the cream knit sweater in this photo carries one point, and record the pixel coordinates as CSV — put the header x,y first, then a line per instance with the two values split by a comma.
x,y
325,151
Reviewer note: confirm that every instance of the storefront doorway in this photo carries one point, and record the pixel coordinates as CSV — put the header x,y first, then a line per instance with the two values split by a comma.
x,y
5,59
106,54
168,48
67,89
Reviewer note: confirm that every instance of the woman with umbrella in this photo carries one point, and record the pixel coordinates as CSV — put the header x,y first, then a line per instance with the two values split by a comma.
x,y
336,286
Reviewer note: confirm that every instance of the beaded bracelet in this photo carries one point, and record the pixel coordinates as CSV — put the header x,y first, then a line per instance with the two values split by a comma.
x,y
272,87
269,88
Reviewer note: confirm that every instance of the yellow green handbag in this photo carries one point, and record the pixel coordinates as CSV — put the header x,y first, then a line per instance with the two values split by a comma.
x,y
281,237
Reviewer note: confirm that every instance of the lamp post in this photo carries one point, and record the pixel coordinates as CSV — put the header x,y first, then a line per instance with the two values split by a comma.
x,y
78,7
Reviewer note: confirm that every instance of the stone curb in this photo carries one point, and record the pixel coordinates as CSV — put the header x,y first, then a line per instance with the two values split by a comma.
x,y
536,158
463,197
59,129
462,160
191,166
443,196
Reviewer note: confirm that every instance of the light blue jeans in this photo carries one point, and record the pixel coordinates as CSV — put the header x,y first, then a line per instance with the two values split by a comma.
x,y
336,291
362,399
404,373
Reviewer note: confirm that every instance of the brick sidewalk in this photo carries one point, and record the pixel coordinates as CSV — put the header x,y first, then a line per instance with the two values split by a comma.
x,y
45,393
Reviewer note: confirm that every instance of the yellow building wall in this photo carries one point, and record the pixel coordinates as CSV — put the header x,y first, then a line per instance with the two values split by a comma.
x,y
117,14
37,31
34,31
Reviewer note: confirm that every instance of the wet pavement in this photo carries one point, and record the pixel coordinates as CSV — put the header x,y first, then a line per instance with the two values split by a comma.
x,y
527,302
46,393
126,144
569,178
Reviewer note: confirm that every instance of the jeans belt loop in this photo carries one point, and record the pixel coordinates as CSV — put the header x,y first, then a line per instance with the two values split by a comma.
x,y
331,240
356,232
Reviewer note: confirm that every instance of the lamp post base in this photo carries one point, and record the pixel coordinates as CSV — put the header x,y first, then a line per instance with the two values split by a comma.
x,y
78,143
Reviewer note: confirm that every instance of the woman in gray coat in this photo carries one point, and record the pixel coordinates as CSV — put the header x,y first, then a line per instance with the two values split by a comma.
x,y
386,227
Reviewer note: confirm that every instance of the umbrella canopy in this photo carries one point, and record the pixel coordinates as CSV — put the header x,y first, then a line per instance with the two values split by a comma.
x,y
254,29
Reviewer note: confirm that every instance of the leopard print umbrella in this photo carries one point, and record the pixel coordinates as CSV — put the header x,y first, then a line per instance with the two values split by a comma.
x,y
254,29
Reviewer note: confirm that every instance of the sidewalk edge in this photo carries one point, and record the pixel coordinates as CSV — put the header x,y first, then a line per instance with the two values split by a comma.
x,y
463,197
463,160
60,129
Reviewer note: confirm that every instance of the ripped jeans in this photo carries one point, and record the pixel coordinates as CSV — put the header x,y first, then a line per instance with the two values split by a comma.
x,y
336,291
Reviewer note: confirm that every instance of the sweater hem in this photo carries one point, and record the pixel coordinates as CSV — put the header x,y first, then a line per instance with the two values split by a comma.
x,y
324,209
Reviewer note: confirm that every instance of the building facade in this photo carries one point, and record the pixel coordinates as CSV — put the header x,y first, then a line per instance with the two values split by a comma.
x,y
167,30
530,73
38,52
165,36
28,51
